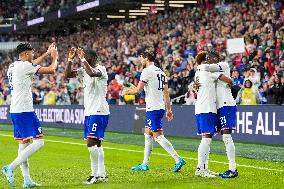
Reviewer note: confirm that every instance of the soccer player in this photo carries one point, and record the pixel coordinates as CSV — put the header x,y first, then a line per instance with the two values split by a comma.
x,y
206,112
153,81
94,77
25,122
226,111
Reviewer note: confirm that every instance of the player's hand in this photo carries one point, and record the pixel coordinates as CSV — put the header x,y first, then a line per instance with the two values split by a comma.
x,y
72,53
81,54
169,115
54,53
50,47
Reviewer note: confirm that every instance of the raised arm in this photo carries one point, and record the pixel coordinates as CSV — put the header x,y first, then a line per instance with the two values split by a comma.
x,y
92,72
52,67
71,55
40,59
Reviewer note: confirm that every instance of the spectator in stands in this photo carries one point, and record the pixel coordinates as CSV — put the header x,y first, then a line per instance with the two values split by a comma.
x,y
248,95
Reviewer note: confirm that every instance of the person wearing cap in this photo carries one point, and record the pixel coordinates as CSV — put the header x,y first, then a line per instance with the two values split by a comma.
x,y
25,121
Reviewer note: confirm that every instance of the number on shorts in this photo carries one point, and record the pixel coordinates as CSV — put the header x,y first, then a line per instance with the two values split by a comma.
x,y
94,128
223,120
149,122
40,130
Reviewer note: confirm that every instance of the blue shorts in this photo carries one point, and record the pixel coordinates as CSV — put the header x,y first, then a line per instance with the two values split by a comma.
x,y
154,120
227,117
206,123
95,126
26,126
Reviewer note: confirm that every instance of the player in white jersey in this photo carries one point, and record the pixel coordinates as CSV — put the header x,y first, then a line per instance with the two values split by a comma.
x,y
94,77
25,122
226,111
206,111
153,81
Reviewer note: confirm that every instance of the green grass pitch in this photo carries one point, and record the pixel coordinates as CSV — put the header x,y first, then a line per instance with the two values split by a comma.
x,y
64,163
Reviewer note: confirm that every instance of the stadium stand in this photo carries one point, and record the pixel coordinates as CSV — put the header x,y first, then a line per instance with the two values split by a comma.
x,y
177,37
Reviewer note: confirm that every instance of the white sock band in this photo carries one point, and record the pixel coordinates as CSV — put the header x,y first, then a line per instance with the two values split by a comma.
x,y
148,148
168,147
230,150
203,152
27,152
94,157
101,162
25,165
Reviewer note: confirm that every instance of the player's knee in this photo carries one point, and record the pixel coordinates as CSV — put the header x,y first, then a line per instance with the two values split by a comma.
x,y
158,138
93,142
227,138
148,138
39,142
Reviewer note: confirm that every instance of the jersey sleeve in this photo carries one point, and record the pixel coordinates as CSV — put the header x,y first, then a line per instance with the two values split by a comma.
x,y
144,76
31,69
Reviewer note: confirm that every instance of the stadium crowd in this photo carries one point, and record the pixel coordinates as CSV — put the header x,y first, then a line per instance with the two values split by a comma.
x,y
21,10
177,36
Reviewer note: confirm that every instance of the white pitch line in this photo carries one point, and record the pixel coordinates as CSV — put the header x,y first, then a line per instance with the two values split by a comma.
x,y
160,154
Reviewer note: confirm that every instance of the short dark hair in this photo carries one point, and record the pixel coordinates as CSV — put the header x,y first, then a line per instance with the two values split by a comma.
x,y
23,47
91,55
214,56
149,54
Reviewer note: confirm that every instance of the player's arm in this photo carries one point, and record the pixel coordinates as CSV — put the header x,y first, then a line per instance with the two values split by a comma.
x,y
71,55
169,113
220,67
135,90
92,72
40,59
226,79
52,67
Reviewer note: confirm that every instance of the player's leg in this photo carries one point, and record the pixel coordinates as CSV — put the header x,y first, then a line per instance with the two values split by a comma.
x,y
156,127
147,149
227,115
230,150
26,126
96,128
93,150
92,145
205,124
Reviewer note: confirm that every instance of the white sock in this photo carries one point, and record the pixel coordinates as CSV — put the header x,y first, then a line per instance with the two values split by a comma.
x,y
94,156
148,148
230,149
168,147
25,165
27,152
101,162
203,152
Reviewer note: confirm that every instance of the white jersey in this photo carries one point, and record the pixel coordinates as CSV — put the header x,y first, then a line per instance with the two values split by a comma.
x,y
155,80
95,89
20,75
224,94
206,95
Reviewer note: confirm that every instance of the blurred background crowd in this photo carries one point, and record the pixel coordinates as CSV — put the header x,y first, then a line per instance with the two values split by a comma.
x,y
177,36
